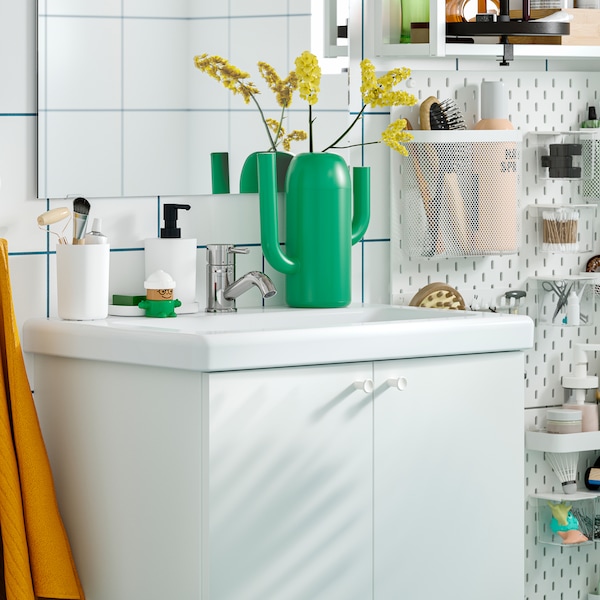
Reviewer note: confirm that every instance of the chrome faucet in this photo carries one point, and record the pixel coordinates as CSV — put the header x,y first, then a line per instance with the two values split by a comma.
x,y
222,288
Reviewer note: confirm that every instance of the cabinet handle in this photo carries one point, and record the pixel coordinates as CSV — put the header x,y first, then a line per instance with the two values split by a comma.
x,y
399,383
366,386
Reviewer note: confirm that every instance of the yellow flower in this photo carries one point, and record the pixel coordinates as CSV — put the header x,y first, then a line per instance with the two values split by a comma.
x,y
379,91
309,77
395,134
283,89
230,76
236,80
296,136
280,135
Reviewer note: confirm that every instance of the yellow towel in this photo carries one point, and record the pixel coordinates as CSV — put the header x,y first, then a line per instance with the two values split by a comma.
x,y
37,554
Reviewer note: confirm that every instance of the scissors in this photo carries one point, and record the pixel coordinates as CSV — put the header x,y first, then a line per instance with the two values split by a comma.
x,y
562,290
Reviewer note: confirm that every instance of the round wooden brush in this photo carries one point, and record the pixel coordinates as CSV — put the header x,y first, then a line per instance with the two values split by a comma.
x,y
440,115
438,295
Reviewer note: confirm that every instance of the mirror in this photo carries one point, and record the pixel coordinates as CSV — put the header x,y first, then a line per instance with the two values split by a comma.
x,y
122,111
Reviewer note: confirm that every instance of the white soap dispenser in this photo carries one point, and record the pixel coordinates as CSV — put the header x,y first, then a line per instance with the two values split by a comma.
x,y
176,256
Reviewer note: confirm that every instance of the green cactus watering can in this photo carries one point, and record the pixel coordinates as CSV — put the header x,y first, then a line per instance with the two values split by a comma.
x,y
322,225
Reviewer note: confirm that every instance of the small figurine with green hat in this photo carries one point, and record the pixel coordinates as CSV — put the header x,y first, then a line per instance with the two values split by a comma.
x,y
159,302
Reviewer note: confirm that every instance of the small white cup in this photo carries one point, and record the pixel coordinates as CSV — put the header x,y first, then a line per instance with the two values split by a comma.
x,y
82,277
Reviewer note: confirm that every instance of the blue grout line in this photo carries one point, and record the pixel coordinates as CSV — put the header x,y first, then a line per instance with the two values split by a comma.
x,y
18,114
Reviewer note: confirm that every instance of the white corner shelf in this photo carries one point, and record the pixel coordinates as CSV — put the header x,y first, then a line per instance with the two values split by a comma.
x,y
556,497
562,442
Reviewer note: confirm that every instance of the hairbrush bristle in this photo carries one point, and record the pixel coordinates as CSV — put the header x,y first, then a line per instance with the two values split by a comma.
x,y
81,206
446,115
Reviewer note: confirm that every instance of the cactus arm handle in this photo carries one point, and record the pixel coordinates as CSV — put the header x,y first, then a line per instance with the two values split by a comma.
x,y
361,191
269,219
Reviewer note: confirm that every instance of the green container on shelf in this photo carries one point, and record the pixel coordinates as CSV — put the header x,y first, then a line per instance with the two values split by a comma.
x,y
326,214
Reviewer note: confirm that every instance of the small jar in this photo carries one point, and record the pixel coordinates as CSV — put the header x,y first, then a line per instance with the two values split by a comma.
x,y
562,420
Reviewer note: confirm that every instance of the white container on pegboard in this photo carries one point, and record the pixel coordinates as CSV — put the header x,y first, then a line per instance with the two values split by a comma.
x,y
460,193
590,142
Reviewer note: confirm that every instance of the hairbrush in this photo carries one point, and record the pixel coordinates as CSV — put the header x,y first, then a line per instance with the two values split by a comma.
x,y
446,115
440,114
438,295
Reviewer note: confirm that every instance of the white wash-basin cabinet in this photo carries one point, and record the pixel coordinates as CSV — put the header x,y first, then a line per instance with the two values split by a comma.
x,y
290,483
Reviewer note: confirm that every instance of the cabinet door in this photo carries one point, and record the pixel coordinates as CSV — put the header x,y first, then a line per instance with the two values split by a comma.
x,y
449,478
290,484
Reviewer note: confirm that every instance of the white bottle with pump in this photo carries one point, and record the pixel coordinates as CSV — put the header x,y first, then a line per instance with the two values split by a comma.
x,y
176,256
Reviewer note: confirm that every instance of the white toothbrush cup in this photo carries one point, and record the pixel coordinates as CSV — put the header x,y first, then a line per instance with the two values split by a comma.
x,y
82,278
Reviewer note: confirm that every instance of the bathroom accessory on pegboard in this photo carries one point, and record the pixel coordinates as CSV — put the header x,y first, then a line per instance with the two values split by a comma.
x,y
565,301
566,520
565,229
570,155
459,193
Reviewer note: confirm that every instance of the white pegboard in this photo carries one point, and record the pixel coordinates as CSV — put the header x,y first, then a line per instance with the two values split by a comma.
x,y
537,102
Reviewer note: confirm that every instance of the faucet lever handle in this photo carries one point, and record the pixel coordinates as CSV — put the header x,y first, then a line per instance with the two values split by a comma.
x,y
223,254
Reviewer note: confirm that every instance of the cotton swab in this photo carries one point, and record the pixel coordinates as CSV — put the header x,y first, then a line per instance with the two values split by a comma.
x,y
559,230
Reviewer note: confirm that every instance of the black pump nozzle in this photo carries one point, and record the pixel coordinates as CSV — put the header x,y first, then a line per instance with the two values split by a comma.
x,y
592,113
170,230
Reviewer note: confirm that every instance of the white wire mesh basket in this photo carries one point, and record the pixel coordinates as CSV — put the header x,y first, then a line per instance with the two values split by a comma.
x,y
591,165
460,193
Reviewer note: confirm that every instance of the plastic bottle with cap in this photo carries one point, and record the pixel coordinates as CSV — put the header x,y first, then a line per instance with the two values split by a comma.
x,y
573,309
174,255
494,107
95,236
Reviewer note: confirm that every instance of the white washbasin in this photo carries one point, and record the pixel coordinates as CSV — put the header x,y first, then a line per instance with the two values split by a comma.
x,y
269,319
272,337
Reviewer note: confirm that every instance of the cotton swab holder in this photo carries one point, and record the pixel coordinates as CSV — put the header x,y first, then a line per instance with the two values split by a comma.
x,y
559,230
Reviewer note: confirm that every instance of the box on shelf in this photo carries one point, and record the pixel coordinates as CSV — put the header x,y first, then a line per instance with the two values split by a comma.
x,y
585,28
419,33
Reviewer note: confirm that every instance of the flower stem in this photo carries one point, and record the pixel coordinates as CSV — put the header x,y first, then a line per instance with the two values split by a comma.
x,y
356,119
262,115
310,129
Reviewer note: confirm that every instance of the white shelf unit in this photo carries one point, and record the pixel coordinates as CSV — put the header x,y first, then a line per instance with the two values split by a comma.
x,y
387,31
551,298
562,442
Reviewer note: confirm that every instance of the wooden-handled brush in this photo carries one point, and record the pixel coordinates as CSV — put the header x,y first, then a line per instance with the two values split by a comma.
x,y
81,210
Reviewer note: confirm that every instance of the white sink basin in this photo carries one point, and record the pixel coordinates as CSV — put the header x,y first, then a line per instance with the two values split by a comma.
x,y
261,338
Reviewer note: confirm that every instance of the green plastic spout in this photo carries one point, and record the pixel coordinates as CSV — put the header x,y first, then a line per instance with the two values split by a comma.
x,y
361,190
269,215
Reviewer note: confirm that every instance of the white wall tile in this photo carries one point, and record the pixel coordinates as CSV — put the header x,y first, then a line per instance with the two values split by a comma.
x,y
19,207
80,161
156,63
156,8
76,7
239,8
155,153
80,60
18,49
